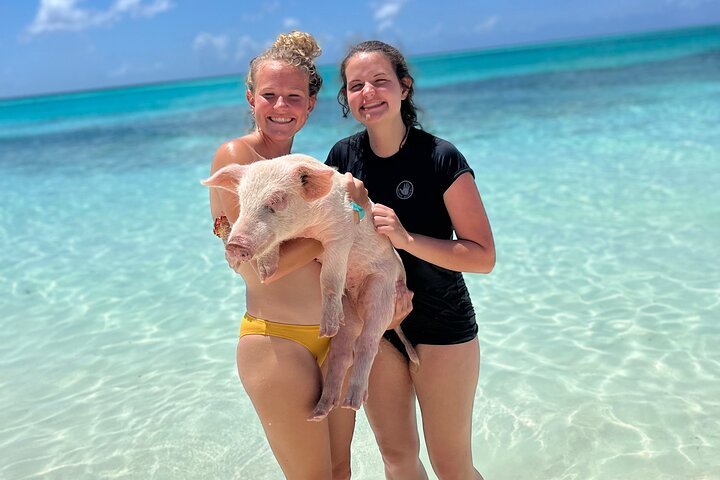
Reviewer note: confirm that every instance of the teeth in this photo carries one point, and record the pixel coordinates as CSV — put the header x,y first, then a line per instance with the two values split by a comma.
x,y
371,105
281,119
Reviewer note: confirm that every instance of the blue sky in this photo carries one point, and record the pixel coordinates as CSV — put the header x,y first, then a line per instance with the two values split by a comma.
x,y
66,45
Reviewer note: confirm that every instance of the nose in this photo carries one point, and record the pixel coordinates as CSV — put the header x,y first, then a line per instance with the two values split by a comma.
x,y
280,102
368,90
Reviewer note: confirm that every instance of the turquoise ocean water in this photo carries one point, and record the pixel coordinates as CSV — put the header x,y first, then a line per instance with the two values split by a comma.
x,y
599,164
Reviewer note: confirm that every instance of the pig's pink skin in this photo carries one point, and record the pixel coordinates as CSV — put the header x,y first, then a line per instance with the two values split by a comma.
x,y
238,250
355,261
267,263
297,196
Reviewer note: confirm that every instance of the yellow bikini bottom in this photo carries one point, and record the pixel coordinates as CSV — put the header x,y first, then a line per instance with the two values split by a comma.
x,y
306,335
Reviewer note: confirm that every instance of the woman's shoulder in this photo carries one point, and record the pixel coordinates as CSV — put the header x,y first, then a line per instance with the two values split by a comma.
x,y
346,151
445,158
439,145
238,150
352,141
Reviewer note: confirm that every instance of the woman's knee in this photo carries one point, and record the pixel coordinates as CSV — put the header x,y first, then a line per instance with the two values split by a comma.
x,y
399,454
450,466
341,469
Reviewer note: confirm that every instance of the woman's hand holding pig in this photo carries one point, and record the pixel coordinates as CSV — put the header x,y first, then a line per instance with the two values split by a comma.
x,y
357,192
387,223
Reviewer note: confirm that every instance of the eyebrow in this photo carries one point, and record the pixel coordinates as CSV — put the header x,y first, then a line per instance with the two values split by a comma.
x,y
380,74
274,88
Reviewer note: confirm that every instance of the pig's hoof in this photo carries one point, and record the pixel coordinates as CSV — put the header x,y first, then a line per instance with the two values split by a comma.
x,y
320,412
328,330
327,402
354,399
317,417
266,271
330,324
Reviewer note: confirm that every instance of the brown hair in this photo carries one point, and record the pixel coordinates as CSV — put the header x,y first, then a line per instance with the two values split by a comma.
x,y
298,49
408,109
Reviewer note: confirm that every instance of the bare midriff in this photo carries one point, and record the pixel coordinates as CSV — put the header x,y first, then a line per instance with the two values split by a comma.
x,y
294,298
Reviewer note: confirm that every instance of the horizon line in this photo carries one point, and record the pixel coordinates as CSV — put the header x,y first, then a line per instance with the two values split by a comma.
x,y
497,48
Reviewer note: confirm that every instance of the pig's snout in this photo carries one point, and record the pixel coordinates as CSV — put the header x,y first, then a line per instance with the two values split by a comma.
x,y
238,251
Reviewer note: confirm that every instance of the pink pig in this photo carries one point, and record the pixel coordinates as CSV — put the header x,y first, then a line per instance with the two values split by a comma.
x,y
297,196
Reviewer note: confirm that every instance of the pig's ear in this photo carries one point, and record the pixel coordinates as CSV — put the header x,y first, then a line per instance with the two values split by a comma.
x,y
226,178
316,182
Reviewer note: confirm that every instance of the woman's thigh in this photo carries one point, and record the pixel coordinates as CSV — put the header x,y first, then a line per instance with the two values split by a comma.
x,y
390,407
445,384
283,381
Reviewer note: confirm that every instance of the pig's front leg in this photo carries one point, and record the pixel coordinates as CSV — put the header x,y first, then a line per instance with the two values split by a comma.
x,y
332,284
337,363
267,263
375,305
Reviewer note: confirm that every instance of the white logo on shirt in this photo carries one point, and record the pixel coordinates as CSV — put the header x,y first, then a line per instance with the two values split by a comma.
x,y
404,190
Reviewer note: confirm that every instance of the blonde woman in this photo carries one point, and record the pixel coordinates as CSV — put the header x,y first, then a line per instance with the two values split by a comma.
x,y
279,352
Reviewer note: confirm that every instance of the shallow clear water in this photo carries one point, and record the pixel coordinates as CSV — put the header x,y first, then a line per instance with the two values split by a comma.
x,y
598,163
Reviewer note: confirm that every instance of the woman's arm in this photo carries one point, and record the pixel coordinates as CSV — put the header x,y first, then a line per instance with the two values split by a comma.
x,y
474,249
223,202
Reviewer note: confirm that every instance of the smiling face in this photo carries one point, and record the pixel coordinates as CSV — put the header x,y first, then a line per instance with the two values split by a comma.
x,y
281,101
374,92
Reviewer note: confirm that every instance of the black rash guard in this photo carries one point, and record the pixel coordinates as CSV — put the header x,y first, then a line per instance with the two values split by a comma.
x,y
412,182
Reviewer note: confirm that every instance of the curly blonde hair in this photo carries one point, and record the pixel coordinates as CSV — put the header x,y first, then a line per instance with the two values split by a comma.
x,y
298,49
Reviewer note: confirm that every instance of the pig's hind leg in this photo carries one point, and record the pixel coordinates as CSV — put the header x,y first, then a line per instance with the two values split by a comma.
x,y
375,306
338,362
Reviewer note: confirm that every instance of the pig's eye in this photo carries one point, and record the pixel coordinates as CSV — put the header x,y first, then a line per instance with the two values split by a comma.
x,y
269,209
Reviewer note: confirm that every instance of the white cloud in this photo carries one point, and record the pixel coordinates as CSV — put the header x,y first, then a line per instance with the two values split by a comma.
x,y
291,22
487,24
208,42
221,46
385,13
63,15
136,8
248,47
66,15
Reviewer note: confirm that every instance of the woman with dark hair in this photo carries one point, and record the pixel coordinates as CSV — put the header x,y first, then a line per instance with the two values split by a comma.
x,y
424,192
